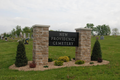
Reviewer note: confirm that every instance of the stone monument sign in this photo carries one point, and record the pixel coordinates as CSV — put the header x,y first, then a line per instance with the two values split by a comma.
x,y
43,39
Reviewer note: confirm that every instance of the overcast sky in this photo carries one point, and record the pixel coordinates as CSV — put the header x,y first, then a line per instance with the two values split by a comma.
x,y
65,15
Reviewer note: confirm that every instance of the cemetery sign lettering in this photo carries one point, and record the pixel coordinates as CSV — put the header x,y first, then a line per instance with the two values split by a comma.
x,y
63,38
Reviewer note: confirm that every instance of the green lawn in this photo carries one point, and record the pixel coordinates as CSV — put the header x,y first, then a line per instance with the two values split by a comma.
x,y
110,51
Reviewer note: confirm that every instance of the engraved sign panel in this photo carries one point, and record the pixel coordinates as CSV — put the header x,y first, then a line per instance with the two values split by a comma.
x,y
63,38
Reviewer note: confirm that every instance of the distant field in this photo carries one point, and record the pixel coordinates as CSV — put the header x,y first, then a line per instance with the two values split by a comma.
x,y
110,47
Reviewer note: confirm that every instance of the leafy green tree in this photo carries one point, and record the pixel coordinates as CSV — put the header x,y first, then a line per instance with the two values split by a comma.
x,y
21,59
18,30
91,26
31,29
13,32
115,31
5,34
96,52
27,30
51,30
103,30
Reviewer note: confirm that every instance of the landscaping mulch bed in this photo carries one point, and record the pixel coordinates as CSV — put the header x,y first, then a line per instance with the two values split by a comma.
x,y
52,66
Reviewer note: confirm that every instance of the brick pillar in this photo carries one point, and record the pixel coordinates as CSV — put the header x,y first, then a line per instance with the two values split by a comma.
x,y
83,51
40,44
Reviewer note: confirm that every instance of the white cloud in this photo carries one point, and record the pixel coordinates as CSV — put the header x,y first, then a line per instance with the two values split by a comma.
x,y
63,15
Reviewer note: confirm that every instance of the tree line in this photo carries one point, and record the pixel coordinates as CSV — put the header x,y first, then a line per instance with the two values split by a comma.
x,y
17,31
101,29
98,30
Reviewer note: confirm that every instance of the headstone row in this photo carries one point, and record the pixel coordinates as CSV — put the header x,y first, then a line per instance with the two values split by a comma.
x,y
16,36
24,35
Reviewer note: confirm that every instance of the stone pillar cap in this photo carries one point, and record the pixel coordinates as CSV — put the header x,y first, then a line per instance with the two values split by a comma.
x,y
83,29
38,25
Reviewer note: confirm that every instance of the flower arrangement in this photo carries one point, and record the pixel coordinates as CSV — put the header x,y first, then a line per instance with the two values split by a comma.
x,y
32,65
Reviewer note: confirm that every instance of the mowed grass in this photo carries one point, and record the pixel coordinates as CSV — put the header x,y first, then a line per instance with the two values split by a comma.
x,y
110,47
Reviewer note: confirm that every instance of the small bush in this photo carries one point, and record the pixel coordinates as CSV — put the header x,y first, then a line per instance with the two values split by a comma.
x,y
79,62
50,59
63,58
99,59
69,58
91,62
58,63
73,58
45,66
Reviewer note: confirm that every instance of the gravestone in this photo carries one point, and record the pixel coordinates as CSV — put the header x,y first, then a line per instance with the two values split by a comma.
x,y
32,36
97,38
24,35
2,37
102,38
29,35
6,39
16,35
20,34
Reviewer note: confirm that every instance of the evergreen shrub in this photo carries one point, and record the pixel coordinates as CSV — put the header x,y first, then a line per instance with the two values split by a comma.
x,y
21,59
46,66
79,62
58,63
73,58
96,52
91,62
63,58
50,59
